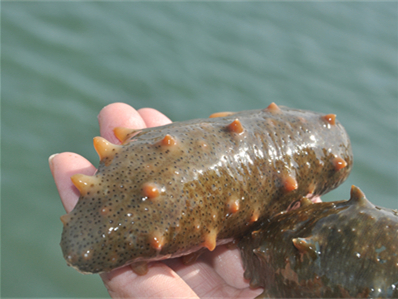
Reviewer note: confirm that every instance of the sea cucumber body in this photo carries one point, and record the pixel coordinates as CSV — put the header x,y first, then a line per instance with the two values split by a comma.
x,y
344,249
171,190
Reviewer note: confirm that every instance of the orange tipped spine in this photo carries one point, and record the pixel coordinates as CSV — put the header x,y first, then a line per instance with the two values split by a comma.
x,y
273,108
83,182
211,240
104,148
123,133
221,114
289,183
236,127
339,163
157,241
150,190
330,118
168,140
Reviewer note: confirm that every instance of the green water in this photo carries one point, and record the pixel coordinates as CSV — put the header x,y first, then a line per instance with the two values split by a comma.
x,y
62,62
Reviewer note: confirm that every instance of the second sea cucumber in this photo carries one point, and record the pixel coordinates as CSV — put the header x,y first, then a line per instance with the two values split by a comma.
x,y
342,249
172,190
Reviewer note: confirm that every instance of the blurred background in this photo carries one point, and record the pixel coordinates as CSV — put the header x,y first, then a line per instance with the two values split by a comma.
x,y
63,62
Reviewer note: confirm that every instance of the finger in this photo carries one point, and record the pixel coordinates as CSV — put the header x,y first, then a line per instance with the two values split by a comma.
x,y
199,275
118,115
228,264
316,199
62,167
205,281
153,118
159,282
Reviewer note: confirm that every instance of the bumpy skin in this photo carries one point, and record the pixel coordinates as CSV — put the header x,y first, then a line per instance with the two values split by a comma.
x,y
345,249
172,190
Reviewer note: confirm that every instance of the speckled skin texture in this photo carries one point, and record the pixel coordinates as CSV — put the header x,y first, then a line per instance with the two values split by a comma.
x,y
345,249
172,190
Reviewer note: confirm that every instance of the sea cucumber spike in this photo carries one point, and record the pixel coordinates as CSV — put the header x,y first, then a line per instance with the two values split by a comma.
x,y
339,163
330,118
64,219
221,114
168,140
150,190
157,241
104,211
305,201
273,107
140,268
104,148
123,133
254,217
254,234
236,126
289,183
304,246
210,240
233,205
311,189
358,197
83,182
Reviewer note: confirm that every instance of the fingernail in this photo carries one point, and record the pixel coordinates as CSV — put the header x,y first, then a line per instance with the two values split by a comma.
x,y
50,161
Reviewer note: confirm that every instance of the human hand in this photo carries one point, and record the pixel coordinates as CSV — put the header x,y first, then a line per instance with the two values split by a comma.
x,y
214,274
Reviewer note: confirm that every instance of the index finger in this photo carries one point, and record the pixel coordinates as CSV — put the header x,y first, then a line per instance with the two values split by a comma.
x,y
123,115
118,115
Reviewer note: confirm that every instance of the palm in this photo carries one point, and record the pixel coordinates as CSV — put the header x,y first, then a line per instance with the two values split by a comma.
x,y
214,274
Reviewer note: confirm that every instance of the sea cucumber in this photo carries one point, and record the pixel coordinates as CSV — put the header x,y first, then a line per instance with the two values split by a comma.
x,y
344,249
172,190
